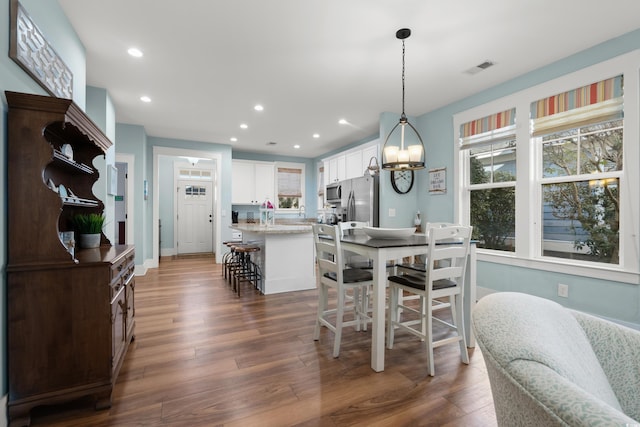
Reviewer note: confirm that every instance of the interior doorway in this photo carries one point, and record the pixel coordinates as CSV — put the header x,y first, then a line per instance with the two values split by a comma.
x,y
161,191
123,223
121,204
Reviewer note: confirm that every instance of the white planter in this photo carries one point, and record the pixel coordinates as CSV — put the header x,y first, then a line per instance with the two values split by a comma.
x,y
90,240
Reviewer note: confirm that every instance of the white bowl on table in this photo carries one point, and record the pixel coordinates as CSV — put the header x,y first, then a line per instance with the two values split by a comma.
x,y
389,233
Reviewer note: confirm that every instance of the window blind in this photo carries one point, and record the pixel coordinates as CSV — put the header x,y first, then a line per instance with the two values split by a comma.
x,y
289,182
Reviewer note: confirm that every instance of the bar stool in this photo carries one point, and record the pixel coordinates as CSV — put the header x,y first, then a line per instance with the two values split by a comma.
x,y
246,270
230,259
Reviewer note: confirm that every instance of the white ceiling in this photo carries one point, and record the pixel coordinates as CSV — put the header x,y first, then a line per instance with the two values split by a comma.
x,y
312,62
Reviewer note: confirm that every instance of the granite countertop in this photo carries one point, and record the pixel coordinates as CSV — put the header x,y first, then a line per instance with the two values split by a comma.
x,y
285,228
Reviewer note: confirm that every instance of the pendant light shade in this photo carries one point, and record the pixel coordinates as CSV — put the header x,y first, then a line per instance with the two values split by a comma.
x,y
403,148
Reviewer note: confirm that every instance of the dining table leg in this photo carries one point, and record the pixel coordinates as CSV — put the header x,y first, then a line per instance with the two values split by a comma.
x,y
470,296
378,330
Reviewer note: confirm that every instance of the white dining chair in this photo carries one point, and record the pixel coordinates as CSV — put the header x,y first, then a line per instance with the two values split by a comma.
x,y
419,264
443,278
332,274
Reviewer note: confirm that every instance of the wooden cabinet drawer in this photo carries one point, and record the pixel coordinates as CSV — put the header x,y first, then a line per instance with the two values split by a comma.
x,y
122,272
118,268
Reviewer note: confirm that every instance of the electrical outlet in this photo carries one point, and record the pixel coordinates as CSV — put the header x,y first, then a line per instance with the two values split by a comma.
x,y
563,290
392,212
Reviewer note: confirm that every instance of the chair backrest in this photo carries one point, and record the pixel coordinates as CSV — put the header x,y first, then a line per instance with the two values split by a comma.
x,y
328,250
447,254
429,225
348,227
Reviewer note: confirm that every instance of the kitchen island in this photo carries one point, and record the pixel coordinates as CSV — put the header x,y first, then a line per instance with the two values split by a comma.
x,y
286,255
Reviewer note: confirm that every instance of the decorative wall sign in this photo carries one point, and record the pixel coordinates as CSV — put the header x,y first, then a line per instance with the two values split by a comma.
x,y
438,180
112,180
31,50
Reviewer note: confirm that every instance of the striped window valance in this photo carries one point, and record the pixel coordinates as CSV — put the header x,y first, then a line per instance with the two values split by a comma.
x,y
583,106
489,123
581,97
491,128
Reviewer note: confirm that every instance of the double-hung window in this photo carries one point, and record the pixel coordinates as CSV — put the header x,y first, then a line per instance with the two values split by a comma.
x,y
489,148
579,136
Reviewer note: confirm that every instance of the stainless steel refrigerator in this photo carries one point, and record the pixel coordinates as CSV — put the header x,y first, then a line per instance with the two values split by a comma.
x,y
359,200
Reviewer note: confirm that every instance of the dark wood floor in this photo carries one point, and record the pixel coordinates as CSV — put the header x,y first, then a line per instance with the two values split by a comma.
x,y
203,357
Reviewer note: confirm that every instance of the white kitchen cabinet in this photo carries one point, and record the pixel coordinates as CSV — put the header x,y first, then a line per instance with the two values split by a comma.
x,y
350,163
252,182
337,168
353,163
265,179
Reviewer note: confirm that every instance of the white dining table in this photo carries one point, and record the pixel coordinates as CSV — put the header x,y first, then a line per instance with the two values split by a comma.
x,y
382,250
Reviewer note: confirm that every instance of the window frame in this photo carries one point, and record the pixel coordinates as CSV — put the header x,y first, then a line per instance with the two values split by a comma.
x,y
289,165
529,186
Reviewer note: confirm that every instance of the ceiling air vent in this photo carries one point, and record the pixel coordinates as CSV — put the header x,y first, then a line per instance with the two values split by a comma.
x,y
475,70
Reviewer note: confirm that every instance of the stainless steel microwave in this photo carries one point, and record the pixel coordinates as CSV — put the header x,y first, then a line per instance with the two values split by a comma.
x,y
334,192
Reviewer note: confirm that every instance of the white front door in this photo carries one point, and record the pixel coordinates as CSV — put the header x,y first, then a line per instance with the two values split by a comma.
x,y
195,216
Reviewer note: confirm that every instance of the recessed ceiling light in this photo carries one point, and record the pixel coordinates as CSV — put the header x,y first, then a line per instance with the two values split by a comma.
x,y
233,139
343,121
145,98
258,107
296,146
243,126
316,135
135,52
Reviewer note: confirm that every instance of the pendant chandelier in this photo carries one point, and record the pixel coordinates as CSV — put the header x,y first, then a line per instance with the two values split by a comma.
x,y
396,154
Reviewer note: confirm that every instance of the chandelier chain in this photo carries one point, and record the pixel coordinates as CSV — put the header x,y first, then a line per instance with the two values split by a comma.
x,y
403,115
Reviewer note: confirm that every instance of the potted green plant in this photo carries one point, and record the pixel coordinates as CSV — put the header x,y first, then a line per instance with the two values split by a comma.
x,y
89,227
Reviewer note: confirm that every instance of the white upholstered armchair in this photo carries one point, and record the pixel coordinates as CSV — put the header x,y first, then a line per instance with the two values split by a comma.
x,y
551,366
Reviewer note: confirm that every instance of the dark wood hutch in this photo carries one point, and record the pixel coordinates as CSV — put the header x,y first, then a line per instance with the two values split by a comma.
x,y
71,312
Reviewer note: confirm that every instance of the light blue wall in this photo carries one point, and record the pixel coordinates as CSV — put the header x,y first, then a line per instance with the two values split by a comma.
x,y
132,139
101,110
166,209
52,22
615,300
436,207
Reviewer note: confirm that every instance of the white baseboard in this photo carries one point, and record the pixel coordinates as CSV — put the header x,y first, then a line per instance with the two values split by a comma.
x,y
141,270
168,252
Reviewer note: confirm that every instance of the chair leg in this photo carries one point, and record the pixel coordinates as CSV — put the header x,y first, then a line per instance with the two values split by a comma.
x,y
392,314
322,305
357,306
423,320
459,319
364,306
429,336
339,320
